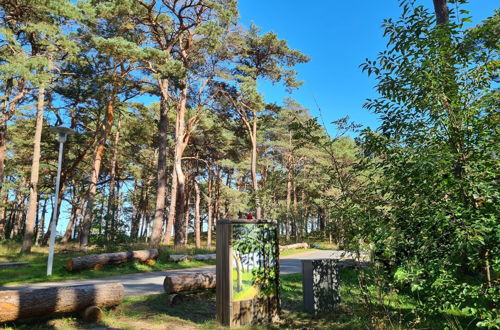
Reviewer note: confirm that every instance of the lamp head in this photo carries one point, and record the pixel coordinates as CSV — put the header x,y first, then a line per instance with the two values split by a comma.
x,y
63,132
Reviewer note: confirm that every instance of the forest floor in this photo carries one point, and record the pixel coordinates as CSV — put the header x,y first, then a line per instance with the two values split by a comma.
x,y
152,312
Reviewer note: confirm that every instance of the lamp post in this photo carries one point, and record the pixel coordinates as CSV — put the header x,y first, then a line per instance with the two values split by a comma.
x,y
63,133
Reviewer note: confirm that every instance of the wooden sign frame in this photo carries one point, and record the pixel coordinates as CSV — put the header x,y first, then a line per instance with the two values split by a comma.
x,y
257,310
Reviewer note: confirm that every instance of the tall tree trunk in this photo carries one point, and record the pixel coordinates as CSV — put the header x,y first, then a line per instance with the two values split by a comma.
x,y
135,225
288,203
18,216
46,236
111,198
181,140
161,188
187,213
209,209
39,233
3,146
197,221
103,132
253,166
295,212
171,210
442,11
35,168
72,221
3,213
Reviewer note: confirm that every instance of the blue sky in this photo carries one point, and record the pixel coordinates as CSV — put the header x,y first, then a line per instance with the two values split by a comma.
x,y
338,36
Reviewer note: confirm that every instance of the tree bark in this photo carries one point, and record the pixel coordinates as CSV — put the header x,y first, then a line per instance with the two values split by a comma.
x,y
103,132
253,165
171,210
3,213
209,210
72,221
295,211
187,211
110,210
46,236
161,188
35,168
442,11
91,260
27,303
180,283
181,140
197,221
288,203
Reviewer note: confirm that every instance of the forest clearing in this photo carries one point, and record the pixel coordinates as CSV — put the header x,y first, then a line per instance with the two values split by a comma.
x,y
178,138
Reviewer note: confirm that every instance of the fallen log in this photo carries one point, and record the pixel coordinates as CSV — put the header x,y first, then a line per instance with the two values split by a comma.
x,y
92,314
26,303
99,260
178,257
294,246
180,298
190,282
13,264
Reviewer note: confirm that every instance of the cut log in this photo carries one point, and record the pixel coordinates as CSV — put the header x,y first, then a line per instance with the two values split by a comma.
x,y
92,314
204,257
191,282
91,260
294,246
25,303
178,257
13,264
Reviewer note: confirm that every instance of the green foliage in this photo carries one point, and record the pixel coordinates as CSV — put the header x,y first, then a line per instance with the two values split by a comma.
x,y
436,149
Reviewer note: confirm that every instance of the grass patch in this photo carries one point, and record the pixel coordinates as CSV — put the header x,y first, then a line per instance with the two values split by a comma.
x,y
295,251
37,268
394,311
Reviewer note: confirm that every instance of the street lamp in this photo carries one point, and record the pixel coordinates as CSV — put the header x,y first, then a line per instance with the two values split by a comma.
x,y
63,133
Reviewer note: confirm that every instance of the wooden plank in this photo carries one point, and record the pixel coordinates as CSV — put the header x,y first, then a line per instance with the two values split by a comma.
x,y
236,319
224,273
246,311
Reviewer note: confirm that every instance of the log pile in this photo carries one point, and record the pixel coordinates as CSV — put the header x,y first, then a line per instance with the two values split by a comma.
x,y
190,282
26,303
97,261
294,246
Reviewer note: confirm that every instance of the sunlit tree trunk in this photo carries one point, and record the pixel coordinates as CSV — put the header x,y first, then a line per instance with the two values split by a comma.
x,y
171,211
180,146
209,209
3,213
197,221
103,133
35,168
109,218
161,188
